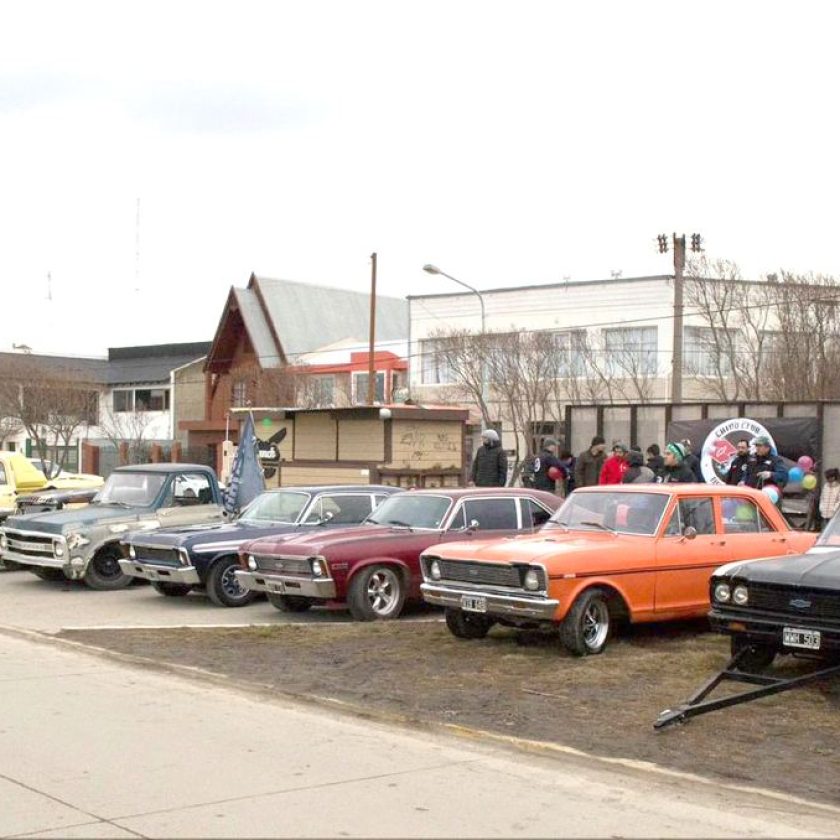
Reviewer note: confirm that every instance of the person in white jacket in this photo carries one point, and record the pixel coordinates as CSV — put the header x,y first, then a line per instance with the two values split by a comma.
x,y
830,496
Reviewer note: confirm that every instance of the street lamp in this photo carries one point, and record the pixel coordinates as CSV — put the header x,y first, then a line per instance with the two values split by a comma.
x,y
433,269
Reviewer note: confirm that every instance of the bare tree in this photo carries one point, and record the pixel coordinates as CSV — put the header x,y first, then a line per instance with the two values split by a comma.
x,y
127,429
51,405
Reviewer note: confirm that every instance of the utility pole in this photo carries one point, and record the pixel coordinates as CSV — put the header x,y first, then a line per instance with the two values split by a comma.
x,y
371,394
679,271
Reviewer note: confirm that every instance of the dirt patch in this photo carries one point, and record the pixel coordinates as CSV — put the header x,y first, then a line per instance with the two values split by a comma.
x,y
524,685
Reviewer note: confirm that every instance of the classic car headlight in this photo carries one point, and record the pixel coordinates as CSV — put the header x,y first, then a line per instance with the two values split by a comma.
x,y
722,593
58,549
434,570
185,556
532,580
317,565
132,553
252,562
740,596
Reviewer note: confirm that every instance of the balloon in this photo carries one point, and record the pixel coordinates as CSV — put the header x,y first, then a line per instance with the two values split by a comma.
x,y
555,473
809,482
772,492
746,512
806,462
796,473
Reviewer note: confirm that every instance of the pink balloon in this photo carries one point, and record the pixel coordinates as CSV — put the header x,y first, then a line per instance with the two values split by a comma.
x,y
806,462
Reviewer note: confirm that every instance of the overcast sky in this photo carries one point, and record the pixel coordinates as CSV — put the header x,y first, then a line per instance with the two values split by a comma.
x,y
509,143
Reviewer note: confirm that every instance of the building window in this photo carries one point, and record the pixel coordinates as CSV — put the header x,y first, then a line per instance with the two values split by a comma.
x,y
152,399
360,388
630,351
239,394
571,358
124,400
706,351
322,390
435,370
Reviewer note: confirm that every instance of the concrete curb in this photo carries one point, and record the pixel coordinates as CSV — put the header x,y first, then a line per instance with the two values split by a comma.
x,y
545,749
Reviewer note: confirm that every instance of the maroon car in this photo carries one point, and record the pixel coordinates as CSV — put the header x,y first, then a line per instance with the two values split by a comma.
x,y
375,567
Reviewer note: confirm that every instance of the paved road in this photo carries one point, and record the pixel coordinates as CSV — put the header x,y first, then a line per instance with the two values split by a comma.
x,y
34,604
91,748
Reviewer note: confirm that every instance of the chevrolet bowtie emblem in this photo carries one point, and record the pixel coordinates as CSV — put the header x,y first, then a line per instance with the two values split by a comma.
x,y
800,603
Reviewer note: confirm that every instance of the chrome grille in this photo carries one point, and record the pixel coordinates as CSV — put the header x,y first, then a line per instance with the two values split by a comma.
x,y
158,556
488,574
30,545
288,565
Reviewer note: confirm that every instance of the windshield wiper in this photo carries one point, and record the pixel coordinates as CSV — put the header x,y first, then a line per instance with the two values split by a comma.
x,y
400,524
552,524
598,525
118,504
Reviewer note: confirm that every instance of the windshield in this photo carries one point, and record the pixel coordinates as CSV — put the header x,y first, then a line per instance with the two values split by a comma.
x,y
132,489
275,507
625,513
412,511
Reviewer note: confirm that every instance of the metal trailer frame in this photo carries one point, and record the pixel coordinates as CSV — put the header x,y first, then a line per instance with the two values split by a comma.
x,y
697,704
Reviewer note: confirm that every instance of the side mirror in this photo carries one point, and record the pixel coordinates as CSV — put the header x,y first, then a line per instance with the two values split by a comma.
x,y
474,525
326,518
689,533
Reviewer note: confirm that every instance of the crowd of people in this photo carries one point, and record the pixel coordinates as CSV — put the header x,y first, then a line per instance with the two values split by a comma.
x,y
755,464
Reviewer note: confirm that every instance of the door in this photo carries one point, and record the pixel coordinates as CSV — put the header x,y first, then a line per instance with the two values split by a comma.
x,y
686,555
188,501
748,531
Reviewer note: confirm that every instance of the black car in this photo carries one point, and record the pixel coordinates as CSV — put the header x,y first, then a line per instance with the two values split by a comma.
x,y
178,560
788,604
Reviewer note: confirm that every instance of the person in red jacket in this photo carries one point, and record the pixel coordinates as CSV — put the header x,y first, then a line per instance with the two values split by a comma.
x,y
615,466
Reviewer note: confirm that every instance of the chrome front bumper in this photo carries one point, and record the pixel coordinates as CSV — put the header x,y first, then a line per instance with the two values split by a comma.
x,y
47,561
530,607
164,574
321,588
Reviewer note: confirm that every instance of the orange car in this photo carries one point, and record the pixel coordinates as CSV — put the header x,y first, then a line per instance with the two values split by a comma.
x,y
636,553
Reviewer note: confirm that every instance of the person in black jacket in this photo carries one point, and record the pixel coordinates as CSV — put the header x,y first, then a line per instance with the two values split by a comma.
x,y
543,463
675,469
655,460
737,472
489,468
766,468
692,461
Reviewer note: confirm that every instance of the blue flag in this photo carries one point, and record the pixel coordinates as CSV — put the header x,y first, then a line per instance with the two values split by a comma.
x,y
246,480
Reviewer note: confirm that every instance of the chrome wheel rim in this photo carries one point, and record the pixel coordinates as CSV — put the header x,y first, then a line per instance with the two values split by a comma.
x,y
596,625
230,585
383,590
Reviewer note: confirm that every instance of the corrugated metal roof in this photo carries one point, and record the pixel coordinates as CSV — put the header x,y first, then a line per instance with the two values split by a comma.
x,y
307,316
258,328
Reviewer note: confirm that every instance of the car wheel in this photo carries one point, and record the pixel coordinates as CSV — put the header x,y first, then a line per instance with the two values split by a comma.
x,y
171,590
467,625
758,657
289,603
48,574
104,572
224,589
586,628
376,594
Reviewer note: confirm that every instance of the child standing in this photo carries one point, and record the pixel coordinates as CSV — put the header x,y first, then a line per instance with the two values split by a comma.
x,y
830,496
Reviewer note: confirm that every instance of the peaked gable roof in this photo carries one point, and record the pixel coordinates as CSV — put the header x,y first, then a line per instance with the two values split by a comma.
x,y
285,318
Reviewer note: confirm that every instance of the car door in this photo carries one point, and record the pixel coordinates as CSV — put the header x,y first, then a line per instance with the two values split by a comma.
x,y
189,500
688,549
748,532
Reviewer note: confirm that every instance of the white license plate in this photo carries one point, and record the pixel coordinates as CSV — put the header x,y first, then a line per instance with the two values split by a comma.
x,y
794,637
471,603
277,587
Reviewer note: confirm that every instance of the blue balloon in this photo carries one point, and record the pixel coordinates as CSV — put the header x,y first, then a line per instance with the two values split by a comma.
x,y
796,474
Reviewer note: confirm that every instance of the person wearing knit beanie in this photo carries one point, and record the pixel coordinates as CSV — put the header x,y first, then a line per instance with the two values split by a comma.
x,y
675,469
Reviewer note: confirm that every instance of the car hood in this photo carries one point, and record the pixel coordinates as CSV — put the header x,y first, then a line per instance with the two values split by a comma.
x,y
76,481
818,569
550,548
54,522
317,543
220,536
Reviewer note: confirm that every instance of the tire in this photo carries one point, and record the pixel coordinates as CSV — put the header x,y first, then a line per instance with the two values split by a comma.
x,y
586,628
48,574
289,603
104,573
465,625
223,589
758,658
171,590
376,593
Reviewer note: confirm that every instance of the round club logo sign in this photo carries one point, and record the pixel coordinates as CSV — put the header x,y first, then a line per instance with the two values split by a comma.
x,y
719,448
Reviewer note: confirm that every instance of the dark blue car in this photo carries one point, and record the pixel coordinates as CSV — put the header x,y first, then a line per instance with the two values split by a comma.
x,y
181,559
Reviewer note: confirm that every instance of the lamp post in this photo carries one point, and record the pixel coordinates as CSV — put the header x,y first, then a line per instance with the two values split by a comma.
x,y
433,269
